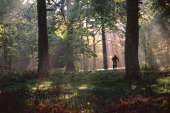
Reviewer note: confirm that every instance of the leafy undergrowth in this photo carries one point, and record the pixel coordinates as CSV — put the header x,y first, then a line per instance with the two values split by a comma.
x,y
15,102
141,104
18,102
58,107
89,92
130,105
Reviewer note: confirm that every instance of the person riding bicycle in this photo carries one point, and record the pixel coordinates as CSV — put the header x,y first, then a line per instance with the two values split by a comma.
x,y
115,60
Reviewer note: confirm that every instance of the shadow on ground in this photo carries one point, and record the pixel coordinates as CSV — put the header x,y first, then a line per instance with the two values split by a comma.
x,y
101,92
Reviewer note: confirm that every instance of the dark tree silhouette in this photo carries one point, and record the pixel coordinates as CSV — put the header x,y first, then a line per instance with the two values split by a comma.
x,y
104,14
42,37
132,41
105,62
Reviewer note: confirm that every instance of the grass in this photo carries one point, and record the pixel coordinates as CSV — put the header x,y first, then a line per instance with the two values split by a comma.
x,y
95,89
113,81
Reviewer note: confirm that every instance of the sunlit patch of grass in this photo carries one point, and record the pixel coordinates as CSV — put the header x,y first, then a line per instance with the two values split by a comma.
x,y
165,80
68,95
162,86
165,68
66,86
119,1
42,86
85,87
161,90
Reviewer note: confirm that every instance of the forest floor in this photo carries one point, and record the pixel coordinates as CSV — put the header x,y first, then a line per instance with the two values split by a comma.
x,y
85,92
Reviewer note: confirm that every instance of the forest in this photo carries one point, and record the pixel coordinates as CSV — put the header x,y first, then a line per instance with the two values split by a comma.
x,y
84,56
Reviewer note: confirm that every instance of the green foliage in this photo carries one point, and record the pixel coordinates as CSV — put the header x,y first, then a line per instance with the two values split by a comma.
x,y
17,81
104,10
2,32
162,6
70,33
70,44
19,38
6,6
162,86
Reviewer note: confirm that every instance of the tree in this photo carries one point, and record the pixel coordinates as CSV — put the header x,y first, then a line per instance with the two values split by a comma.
x,y
132,41
42,38
162,7
5,7
19,41
67,31
105,62
103,12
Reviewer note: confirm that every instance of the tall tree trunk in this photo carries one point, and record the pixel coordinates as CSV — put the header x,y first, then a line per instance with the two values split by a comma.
x,y
94,50
87,57
5,51
10,42
84,63
69,49
70,67
105,63
132,41
42,38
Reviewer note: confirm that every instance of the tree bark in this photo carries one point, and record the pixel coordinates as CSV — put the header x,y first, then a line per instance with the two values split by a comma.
x,y
94,50
5,51
70,67
105,63
69,49
132,41
42,38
